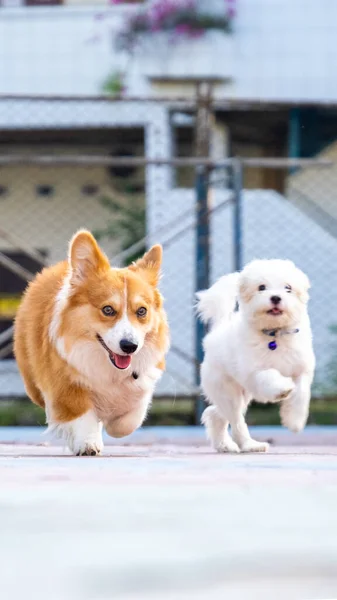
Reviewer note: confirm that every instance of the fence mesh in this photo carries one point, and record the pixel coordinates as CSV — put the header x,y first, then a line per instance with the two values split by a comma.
x,y
299,223
288,210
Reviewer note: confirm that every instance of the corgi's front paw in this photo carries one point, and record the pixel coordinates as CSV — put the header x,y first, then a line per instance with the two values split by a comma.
x,y
87,449
83,435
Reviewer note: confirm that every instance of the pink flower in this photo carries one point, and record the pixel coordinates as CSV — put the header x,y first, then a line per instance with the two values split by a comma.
x,y
231,8
197,33
183,29
179,18
161,10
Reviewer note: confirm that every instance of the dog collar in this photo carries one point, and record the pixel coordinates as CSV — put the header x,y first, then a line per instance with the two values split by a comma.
x,y
277,331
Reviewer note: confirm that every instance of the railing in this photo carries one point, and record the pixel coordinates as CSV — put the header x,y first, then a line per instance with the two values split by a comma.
x,y
232,209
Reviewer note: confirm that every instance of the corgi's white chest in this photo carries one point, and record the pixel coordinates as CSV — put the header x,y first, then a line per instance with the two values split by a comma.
x,y
115,390
126,395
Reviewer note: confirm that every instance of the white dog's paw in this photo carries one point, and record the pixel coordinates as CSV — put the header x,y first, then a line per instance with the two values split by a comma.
x,y
273,387
285,389
254,446
295,421
294,427
228,446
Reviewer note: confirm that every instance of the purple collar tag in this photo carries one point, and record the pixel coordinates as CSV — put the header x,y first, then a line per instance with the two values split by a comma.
x,y
278,331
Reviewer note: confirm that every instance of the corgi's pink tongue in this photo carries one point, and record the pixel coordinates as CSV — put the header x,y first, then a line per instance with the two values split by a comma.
x,y
122,362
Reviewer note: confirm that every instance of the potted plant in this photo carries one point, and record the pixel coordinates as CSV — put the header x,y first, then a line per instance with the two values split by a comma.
x,y
179,38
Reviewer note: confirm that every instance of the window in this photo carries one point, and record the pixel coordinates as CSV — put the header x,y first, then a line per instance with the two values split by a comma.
x,y
45,190
90,189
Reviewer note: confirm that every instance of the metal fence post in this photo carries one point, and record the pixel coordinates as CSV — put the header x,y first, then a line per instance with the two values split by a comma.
x,y
237,185
203,128
202,270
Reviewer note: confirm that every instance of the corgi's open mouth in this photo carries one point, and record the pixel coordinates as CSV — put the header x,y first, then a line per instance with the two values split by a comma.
x,y
119,361
275,311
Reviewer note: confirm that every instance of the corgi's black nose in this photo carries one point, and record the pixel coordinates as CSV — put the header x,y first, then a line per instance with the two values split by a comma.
x,y
275,299
128,347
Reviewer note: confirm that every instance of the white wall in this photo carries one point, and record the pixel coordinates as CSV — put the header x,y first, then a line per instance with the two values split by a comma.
x,y
286,49
283,49
52,50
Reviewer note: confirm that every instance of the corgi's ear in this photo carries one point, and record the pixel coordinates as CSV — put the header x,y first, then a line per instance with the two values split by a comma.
x,y
150,264
85,256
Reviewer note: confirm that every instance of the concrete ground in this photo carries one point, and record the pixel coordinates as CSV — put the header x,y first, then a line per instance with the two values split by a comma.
x,y
161,516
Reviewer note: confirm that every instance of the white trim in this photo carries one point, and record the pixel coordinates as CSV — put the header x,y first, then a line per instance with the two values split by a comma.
x,y
60,303
61,11
25,114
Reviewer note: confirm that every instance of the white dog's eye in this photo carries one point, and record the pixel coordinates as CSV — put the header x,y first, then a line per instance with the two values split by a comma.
x,y
288,288
261,288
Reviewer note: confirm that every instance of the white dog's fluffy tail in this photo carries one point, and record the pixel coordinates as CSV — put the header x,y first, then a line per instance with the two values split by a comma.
x,y
218,303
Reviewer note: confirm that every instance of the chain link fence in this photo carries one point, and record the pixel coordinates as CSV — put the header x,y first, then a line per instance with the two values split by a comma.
x,y
66,165
296,219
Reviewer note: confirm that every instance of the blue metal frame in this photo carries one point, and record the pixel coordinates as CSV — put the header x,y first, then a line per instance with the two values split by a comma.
x,y
202,270
237,185
294,140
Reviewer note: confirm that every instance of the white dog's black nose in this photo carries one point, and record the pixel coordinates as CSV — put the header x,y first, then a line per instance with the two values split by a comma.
x,y
128,347
275,299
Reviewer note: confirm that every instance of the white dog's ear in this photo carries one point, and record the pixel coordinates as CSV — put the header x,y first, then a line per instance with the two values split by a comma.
x,y
218,302
302,285
246,290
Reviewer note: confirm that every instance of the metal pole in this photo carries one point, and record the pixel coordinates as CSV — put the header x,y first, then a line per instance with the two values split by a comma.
x,y
294,139
203,138
237,171
294,135
14,267
202,272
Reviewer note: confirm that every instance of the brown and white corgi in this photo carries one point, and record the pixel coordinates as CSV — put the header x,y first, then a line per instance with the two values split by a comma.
x,y
90,342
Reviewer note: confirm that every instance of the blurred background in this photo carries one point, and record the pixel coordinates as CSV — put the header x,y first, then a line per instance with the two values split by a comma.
x,y
210,127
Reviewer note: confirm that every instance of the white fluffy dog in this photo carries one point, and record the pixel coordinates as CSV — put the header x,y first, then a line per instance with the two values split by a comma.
x,y
262,351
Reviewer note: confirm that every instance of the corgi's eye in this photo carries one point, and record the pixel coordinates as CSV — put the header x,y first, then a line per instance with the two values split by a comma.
x,y
288,288
261,288
108,311
141,312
